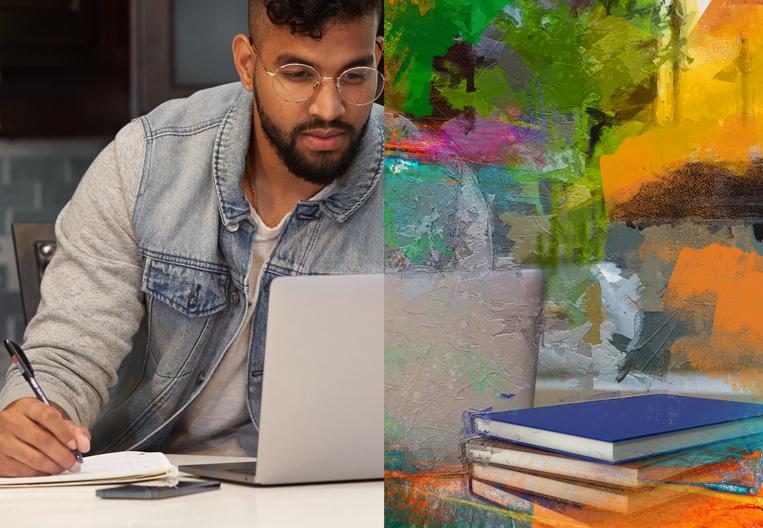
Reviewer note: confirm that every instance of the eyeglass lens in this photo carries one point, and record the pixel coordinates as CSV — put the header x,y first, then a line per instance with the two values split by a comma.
x,y
297,82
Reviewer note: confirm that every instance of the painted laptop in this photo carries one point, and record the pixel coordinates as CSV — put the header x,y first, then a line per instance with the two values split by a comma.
x,y
456,341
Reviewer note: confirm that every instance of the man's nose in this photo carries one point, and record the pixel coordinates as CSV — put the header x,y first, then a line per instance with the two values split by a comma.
x,y
327,103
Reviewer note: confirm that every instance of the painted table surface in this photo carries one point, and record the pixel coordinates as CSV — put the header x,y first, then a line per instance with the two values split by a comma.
x,y
443,500
318,505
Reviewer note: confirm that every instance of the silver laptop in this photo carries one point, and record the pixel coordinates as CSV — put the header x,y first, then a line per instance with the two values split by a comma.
x,y
322,414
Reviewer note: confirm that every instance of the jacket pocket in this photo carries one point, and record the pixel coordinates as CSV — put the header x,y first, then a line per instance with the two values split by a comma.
x,y
181,303
194,292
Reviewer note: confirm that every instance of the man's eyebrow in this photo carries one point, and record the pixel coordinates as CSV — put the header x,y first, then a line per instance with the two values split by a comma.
x,y
289,58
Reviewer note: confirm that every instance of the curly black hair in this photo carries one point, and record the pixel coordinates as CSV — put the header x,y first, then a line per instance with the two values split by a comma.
x,y
310,17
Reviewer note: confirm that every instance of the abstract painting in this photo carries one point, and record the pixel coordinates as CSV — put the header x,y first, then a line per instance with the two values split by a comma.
x,y
613,145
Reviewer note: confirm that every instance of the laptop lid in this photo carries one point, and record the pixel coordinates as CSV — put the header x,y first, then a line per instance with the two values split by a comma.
x,y
456,341
322,415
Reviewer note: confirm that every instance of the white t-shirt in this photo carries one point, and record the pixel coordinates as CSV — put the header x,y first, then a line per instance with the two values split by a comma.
x,y
218,422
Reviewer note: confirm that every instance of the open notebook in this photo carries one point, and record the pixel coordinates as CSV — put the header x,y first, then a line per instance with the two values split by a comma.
x,y
125,466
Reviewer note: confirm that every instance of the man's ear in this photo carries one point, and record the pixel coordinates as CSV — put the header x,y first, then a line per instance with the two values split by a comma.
x,y
379,48
243,56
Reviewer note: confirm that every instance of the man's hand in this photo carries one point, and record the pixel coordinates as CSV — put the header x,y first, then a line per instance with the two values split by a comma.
x,y
36,440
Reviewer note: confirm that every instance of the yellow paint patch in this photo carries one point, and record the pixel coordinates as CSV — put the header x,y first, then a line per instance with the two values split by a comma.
x,y
706,113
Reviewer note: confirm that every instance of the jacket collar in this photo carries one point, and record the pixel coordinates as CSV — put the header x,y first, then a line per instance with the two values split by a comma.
x,y
229,157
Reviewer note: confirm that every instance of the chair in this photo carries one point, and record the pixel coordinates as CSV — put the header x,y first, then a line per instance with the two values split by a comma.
x,y
34,245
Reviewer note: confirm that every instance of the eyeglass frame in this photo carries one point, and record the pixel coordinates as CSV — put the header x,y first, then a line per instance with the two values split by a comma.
x,y
338,86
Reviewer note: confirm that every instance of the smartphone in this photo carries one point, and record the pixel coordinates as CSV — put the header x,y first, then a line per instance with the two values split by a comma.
x,y
134,491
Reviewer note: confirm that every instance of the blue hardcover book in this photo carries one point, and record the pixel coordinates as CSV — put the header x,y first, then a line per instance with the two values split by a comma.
x,y
624,429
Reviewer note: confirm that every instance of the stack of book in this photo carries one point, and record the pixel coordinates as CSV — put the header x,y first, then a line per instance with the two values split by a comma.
x,y
593,459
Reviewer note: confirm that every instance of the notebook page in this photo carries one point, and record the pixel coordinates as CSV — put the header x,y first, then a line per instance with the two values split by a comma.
x,y
125,466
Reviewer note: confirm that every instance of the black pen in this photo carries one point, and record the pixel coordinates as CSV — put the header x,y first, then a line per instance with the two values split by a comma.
x,y
25,367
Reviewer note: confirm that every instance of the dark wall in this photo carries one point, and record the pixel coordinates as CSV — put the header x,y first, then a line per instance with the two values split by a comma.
x,y
64,67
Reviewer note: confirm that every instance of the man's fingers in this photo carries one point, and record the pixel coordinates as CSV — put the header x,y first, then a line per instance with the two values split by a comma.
x,y
43,428
36,440
13,468
82,437
22,451
49,418
44,449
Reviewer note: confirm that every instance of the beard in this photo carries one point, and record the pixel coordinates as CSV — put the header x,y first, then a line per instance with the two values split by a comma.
x,y
324,168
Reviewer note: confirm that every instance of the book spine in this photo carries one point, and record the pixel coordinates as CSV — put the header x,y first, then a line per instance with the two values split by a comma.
x,y
468,419
539,511
555,465
562,443
500,497
557,489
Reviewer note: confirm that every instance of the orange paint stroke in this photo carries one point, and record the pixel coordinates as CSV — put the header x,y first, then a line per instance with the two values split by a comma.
x,y
718,292
640,159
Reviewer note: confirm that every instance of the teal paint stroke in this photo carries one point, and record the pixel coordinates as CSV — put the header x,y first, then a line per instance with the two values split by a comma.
x,y
419,204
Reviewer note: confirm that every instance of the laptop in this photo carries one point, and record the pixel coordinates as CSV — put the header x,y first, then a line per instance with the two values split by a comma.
x,y
457,341
322,409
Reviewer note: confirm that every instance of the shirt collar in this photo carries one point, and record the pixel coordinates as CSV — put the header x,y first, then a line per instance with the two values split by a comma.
x,y
229,155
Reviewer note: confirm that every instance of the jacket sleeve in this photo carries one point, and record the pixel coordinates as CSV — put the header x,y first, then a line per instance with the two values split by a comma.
x,y
91,300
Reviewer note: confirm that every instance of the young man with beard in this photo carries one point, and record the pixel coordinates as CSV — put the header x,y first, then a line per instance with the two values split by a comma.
x,y
150,333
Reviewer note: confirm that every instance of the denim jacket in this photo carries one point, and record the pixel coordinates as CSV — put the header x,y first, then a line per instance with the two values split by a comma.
x,y
194,238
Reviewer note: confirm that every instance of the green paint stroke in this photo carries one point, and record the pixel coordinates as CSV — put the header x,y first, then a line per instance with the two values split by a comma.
x,y
594,68
491,92
414,38
390,227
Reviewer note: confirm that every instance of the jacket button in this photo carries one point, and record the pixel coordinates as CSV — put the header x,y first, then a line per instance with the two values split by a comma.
x,y
235,298
232,228
200,378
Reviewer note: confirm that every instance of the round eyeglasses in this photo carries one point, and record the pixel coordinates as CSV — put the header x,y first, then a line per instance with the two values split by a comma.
x,y
295,83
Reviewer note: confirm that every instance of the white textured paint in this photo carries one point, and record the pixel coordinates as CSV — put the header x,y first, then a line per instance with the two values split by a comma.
x,y
672,382
621,298
474,217
421,284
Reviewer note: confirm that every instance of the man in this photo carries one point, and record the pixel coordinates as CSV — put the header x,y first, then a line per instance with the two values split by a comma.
x,y
151,328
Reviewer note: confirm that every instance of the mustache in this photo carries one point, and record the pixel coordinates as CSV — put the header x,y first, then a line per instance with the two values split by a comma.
x,y
321,123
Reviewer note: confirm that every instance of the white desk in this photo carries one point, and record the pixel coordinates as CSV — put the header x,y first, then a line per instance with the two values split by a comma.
x,y
350,505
